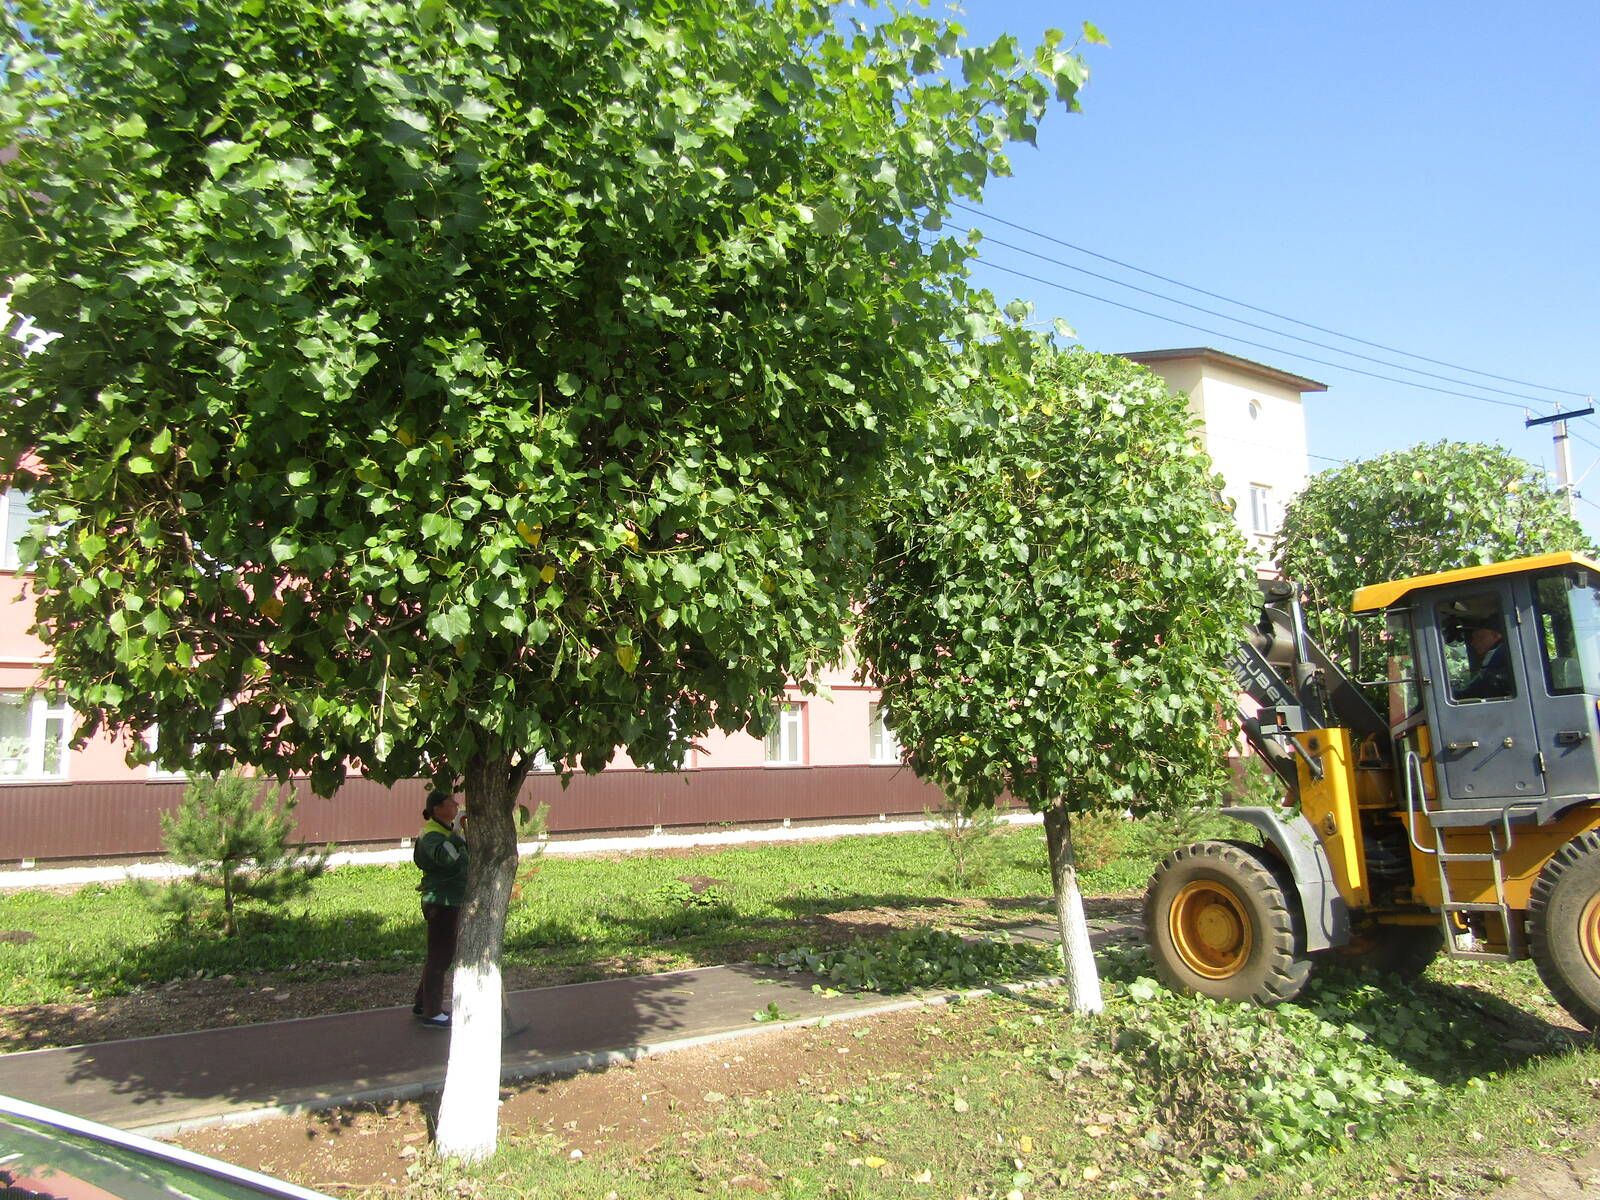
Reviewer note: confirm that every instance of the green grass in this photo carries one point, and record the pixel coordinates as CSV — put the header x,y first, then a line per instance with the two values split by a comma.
x,y
609,913
1395,1092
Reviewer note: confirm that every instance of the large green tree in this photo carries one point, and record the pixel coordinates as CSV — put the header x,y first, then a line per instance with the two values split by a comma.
x,y
1055,593
445,383
1413,512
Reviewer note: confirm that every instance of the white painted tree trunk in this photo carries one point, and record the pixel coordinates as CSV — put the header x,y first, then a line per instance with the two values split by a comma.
x,y
469,1114
469,1111
1083,977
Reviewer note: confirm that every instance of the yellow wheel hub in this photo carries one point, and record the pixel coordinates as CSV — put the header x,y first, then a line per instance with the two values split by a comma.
x,y
1210,929
1589,933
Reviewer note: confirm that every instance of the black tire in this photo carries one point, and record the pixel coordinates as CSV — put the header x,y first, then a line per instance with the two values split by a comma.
x,y
1223,919
1564,927
1404,951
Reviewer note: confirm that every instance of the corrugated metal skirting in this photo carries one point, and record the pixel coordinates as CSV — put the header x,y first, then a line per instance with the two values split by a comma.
x,y
67,820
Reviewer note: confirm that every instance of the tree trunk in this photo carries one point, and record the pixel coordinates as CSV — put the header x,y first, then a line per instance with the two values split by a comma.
x,y
1083,978
469,1111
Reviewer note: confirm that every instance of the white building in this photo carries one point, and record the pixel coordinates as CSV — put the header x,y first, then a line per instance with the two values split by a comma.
x,y
1253,423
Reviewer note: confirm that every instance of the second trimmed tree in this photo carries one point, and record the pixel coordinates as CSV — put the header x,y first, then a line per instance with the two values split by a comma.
x,y
1055,593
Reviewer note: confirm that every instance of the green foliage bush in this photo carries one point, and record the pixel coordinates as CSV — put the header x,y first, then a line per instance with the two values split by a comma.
x,y
1289,1081
234,838
683,910
922,958
1236,1083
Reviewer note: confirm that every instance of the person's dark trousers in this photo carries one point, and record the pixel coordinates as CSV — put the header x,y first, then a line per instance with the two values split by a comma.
x,y
442,921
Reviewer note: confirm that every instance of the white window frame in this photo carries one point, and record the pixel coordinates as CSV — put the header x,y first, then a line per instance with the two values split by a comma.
x,y
786,736
883,747
154,770
1261,509
12,526
41,711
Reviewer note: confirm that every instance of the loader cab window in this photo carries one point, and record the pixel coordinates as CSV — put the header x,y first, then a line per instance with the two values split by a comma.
x,y
1567,604
1477,655
1405,698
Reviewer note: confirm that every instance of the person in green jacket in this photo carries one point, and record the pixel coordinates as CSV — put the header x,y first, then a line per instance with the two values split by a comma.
x,y
441,852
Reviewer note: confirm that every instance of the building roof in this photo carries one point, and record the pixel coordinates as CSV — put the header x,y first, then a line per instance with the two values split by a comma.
x,y
1206,354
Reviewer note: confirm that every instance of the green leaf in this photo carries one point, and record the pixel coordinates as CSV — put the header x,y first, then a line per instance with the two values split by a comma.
x,y
221,156
451,624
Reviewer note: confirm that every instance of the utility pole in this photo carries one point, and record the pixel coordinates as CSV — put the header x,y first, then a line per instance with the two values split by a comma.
x,y
1563,449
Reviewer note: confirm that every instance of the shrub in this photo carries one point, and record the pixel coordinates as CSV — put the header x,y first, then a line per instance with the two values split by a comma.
x,y
1098,838
235,839
1158,834
1241,1080
967,837
922,958
531,827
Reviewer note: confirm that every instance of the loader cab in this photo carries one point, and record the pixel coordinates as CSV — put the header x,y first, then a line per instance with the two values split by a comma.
x,y
1503,677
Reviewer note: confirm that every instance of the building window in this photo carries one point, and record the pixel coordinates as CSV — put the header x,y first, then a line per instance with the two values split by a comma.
x,y
882,745
786,736
1255,410
16,514
34,731
1260,508
154,770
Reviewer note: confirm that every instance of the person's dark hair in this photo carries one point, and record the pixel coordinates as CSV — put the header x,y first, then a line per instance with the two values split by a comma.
x,y
435,798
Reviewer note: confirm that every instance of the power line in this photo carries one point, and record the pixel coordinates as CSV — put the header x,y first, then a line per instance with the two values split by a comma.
x,y
1264,311
1233,337
1382,362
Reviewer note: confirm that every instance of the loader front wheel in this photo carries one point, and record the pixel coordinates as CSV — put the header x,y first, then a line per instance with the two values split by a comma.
x,y
1564,927
1222,919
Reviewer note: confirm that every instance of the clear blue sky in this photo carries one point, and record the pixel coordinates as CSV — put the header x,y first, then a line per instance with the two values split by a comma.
x,y
1424,175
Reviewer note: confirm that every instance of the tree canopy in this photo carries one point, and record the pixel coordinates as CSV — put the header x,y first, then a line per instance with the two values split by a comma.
x,y
1413,512
512,360
1057,589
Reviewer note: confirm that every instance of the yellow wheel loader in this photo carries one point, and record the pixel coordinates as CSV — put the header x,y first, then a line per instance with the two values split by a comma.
x,y
1465,819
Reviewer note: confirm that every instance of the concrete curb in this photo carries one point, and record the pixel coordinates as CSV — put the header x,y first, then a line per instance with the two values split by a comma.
x,y
592,1060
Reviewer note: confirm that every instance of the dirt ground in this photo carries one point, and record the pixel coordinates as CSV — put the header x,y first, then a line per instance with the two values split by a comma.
x,y
633,1108
629,1107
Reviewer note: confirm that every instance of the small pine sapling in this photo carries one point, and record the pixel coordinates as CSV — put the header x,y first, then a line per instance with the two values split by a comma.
x,y
234,837
532,827
967,835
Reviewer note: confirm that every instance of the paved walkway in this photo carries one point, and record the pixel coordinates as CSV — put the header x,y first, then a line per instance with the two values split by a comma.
x,y
159,1085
